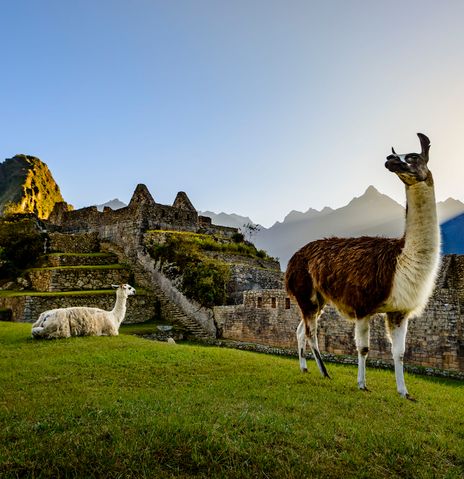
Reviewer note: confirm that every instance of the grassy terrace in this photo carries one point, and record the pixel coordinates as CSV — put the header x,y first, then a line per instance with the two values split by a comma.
x,y
93,292
83,255
127,407
90,267
205,242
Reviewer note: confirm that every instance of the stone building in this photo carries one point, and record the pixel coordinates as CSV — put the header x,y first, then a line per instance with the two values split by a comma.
x,y
126,226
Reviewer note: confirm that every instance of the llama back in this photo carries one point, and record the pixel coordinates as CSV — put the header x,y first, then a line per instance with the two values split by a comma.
x,y
355,274
75,321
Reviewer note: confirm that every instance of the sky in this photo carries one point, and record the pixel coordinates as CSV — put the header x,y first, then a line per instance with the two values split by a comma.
x,y
254,107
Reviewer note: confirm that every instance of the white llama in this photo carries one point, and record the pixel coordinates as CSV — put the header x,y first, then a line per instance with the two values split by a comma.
x,y
367,275
83,321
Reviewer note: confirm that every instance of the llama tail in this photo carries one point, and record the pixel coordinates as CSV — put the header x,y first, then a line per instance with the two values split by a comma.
x,y
296,277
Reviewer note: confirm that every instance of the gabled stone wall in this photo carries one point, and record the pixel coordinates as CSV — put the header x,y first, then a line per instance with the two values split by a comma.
x,y
142,214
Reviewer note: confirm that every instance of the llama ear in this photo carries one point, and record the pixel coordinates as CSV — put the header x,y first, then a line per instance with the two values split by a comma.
x,y
425,144
393,151
115,286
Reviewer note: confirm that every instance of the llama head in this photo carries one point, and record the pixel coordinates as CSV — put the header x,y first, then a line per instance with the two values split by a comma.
x,y
411,168
126,289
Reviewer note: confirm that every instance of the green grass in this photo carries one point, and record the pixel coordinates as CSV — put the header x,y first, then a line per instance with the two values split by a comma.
x,y
128,407
81,292
87,267
205,242
80,255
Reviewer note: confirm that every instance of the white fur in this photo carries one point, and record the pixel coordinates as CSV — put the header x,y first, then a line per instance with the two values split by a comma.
x,y
83,321
418,264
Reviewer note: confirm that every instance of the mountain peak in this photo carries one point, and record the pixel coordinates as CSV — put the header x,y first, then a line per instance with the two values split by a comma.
x,y
371,191
27,186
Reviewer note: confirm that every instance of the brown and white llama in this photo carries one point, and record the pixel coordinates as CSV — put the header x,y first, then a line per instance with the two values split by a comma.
x,y
368,275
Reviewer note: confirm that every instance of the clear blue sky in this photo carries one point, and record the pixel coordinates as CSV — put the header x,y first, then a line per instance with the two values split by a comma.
x,y
255,107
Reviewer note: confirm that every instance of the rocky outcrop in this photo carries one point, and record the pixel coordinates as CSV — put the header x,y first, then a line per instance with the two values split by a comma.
x,y
27,186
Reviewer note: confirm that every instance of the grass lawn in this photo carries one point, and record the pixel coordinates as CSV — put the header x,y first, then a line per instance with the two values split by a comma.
x,y
128,407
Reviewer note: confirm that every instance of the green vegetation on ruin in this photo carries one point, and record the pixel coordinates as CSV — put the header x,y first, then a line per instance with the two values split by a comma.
x,y
203,279
80,255
21,243
88,267
127,407
205,242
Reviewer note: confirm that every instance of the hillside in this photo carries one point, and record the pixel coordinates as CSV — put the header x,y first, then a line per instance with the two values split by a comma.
x,y
27,186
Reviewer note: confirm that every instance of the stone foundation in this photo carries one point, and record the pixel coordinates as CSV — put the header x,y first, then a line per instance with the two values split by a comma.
x,y
72,279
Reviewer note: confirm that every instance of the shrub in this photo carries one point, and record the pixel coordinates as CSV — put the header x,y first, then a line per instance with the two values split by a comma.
x,y
202,279
21,242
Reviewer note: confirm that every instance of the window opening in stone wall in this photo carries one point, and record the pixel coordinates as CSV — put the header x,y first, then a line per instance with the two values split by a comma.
x,y
273,302
287,303
260,302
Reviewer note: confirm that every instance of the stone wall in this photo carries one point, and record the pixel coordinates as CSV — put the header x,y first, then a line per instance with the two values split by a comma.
x,y
249,273
140,308
265,317
69,259
76,278
435,339
71,243
247,277
126,226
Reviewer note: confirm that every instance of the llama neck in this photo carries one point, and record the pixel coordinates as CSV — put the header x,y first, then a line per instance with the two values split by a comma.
x,y
417,265
422,234
119,310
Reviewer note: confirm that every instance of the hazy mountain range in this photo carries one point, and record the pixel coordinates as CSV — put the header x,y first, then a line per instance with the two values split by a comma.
x,y
113,204
27,186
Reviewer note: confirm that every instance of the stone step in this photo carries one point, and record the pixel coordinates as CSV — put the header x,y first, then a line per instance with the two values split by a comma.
x,y
169,310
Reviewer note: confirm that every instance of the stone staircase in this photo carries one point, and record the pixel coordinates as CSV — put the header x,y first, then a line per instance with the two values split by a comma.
x,y
170,311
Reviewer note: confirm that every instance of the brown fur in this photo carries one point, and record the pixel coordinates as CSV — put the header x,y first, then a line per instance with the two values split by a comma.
x,y
355,274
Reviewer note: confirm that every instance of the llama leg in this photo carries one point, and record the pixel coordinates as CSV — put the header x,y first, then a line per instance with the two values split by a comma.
x,y
398,327
362,345
311,333
301,338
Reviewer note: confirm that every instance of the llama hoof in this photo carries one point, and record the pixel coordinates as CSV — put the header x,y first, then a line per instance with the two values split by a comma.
x,y
410,398
304,370
364,388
